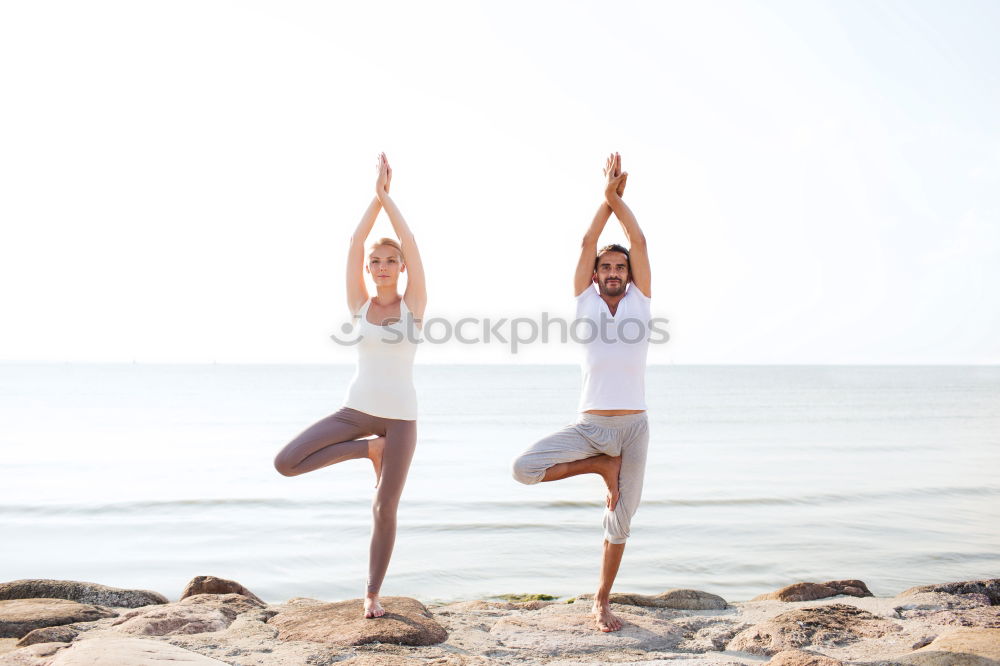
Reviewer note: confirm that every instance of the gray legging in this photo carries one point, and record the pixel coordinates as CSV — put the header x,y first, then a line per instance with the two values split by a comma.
x,y
336,439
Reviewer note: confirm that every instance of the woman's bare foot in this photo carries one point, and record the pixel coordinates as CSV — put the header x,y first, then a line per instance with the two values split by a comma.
x,y
609,469
372,606
376,447
606,620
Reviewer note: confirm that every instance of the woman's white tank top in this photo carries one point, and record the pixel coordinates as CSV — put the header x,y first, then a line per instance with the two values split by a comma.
x,y
383,383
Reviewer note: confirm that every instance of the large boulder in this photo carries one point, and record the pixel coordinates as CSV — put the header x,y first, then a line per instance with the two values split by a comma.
x,y
18,617
832,625
406,622
85,593
213,585
812,591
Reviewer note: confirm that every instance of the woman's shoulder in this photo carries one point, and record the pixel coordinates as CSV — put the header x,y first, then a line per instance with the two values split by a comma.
x,y
362,309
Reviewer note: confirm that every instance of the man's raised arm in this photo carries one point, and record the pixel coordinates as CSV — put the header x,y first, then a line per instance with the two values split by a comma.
x,y
584,275
638,254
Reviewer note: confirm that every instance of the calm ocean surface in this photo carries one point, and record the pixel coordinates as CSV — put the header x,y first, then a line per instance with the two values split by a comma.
x,y
758,476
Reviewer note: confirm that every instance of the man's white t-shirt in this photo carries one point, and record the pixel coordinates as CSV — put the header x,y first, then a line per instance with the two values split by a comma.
x,y
614,364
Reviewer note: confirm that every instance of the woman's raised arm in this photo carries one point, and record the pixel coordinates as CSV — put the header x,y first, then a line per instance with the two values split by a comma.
x,y
416,288
357,292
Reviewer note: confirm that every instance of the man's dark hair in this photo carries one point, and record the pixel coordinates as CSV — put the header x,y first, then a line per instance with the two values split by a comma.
x,y
614,247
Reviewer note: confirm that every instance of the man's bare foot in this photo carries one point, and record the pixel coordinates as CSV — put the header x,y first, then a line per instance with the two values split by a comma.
x,y
606,620
372,606
376,447
609,470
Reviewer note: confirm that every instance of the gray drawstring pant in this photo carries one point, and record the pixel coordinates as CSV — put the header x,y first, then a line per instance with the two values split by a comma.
x,y
626,435
336,439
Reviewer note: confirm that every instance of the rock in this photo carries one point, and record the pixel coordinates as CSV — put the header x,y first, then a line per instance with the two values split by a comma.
x,y
962,647
171,619
406,622
213,585
812,591
379,660
115,651
231,605
830,625
18,617
563,629
964,610
990,587
394,660
85,593
57,634
33,655
484,605
680,599
707,633
444,660
802,658
194,615
940,601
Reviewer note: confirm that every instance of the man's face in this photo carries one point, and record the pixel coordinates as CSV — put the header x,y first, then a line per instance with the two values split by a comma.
x,y
612,275
384,265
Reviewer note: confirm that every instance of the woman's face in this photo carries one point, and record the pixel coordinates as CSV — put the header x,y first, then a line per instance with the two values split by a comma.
x,y
384,265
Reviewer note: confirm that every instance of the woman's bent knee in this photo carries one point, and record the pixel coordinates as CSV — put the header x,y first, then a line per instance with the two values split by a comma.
x,y
284,466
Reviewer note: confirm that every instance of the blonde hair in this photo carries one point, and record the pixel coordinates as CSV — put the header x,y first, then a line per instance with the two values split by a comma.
x,y
391,242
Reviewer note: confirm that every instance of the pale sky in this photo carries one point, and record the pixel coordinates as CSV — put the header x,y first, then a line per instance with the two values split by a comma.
x,y
819,182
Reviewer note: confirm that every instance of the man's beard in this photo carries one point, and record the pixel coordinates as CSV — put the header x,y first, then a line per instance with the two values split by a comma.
x,y
615,290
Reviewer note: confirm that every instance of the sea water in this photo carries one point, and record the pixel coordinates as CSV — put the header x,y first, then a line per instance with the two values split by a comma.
x,y
144,476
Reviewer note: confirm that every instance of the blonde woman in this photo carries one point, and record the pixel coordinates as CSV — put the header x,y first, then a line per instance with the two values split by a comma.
x,y
378,418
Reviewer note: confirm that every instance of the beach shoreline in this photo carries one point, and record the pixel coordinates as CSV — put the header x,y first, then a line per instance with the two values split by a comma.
x,y
218,621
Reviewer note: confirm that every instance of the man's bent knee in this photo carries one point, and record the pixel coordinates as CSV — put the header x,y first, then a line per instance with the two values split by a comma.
x,y
615,530
523,472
